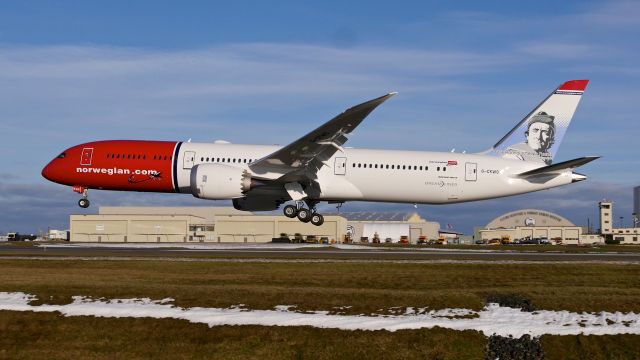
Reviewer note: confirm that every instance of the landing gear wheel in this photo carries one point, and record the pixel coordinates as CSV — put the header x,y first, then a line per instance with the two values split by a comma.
x,y
317,219
304,215
83,203
290,211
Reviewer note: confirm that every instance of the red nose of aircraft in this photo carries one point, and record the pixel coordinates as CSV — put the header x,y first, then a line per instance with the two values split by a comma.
x,y
52,171
46,172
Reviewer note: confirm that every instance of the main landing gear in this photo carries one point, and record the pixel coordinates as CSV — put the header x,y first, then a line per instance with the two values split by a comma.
x,y
84,202
303,214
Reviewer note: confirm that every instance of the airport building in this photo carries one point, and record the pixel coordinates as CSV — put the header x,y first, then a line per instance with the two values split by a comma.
x,y
620,234
225,224
529,224
390,225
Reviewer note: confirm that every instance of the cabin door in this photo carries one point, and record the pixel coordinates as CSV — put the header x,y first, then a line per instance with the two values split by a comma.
x,y
340,167
471,171
189,157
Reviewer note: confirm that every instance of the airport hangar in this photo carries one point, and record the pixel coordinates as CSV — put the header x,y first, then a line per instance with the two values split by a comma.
x,y
531,224
226,224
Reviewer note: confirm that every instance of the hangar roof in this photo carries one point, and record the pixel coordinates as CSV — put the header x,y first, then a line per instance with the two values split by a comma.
x,y
528,217
206,212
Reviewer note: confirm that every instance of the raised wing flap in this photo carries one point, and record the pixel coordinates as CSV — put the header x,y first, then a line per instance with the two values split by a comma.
x,y
320,144
555,168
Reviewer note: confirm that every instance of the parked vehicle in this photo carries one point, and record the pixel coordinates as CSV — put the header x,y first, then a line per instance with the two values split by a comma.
x,y
19,237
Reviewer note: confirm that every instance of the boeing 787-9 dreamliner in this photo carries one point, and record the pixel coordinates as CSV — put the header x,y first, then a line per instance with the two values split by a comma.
x,y
317,167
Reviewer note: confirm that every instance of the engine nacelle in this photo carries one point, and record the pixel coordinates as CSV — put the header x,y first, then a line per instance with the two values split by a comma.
x,y
219,182
257,203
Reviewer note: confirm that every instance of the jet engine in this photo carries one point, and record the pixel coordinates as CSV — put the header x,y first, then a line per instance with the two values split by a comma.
x,y
219,182
263,203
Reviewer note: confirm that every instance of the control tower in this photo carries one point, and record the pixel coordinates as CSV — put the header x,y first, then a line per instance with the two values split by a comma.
x,y
606,217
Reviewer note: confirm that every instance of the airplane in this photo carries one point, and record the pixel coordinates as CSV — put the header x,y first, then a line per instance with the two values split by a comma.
x,y
319,168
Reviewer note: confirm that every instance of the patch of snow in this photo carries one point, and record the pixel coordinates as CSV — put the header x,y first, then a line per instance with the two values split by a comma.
x,y
493,319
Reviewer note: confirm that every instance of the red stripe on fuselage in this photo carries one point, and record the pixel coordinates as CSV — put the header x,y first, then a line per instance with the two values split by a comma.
x,y
129,165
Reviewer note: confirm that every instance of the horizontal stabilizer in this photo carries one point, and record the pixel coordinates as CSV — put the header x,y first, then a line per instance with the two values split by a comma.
x,y
555,168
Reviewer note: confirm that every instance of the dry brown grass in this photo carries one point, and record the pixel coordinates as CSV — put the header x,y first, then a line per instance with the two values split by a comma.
x,y
49,336
592,347
322,286
367,287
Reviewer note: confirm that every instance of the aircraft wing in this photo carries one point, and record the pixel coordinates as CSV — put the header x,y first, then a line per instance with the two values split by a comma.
x,y
304,157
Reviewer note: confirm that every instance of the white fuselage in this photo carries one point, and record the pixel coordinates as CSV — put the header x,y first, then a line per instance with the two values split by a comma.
x,y
389,175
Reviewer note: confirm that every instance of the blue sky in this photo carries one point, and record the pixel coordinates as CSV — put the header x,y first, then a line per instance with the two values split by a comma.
x,y
258,72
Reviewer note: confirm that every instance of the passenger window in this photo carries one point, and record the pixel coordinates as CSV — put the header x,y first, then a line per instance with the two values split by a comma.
x,y
354,164
404,167
138,156
376,166
387,166
201,159
144,157
420,167
359,164
154,157
438,168
118,156
444,168
228,160
415,167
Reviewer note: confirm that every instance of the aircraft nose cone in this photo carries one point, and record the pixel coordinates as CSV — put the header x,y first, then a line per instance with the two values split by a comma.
x,y
46,172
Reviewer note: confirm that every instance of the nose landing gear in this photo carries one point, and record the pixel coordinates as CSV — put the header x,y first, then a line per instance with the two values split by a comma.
x,y
84,202
303,214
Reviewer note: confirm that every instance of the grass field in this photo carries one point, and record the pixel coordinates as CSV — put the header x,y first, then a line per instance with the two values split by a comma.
x,y
367,287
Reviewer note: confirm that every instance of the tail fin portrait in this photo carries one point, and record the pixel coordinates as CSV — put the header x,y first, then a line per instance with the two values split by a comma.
x,y
537,137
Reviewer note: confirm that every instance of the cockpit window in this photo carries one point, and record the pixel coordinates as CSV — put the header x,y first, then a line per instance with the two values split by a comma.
x,y
61,156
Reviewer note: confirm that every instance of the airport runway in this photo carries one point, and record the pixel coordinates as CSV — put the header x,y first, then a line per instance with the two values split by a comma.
x,y
320,253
